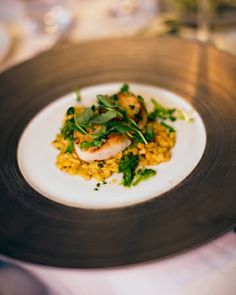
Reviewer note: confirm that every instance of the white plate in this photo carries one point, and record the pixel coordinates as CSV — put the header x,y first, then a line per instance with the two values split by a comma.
x,y
36,156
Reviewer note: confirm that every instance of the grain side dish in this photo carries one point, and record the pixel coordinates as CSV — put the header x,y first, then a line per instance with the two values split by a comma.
x,y
116,135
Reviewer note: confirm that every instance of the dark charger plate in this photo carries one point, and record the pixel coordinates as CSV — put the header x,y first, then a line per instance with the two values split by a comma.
x,y
35,229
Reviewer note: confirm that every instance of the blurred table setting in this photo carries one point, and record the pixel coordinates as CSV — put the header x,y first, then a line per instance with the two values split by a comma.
x,y
31,27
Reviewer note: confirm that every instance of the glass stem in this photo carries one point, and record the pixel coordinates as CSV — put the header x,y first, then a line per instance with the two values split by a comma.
x,y
203,21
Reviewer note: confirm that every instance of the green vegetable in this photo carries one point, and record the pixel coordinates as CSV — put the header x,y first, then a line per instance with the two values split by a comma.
x,y
104,118
83,119
88,144
120,127
152,116
100,133
106,101
124,88
127,166
114,97
161,112
109,104
70,111
141,99
77,92
138,132
68,129
143,174
170,128
70,146
149,133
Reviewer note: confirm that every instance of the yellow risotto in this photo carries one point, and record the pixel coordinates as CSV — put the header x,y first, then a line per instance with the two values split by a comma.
x,y
151,154
116,135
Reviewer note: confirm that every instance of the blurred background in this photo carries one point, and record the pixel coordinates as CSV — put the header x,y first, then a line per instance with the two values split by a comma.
x,y
28,27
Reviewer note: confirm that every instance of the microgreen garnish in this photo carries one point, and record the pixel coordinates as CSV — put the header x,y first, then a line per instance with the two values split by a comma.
x,y
70,146
143,174
127,166
149,133
106,101
88,144
77,93
161,112
68,128
124,88
133,126
83,118
70,111
168,127
104,118
141,99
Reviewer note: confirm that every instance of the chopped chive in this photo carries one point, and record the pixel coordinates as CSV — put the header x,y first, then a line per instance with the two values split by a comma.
x,y
170,128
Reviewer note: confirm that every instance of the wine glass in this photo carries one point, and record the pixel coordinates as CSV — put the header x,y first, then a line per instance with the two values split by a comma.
x,y
48,16
203,21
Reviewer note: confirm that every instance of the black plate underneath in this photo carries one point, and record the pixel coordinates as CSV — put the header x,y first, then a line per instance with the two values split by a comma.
x,y
35,229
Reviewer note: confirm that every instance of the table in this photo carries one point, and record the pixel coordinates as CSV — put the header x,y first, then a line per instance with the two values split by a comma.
x,y
209,269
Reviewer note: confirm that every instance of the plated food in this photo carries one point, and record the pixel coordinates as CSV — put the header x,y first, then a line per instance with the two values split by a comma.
x,y
118,134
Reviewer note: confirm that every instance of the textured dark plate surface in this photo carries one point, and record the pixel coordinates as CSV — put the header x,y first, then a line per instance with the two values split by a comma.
x,y
35,229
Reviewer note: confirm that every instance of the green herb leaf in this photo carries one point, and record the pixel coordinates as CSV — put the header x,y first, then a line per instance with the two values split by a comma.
x,y
170,128
124,88
149,133
138,132
68,128
70,146
83,119
106,101
143,174
161,112
152,116
104,118
122,128
70,111
101,133
77,92
141,99
88,144
85,145
127,166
